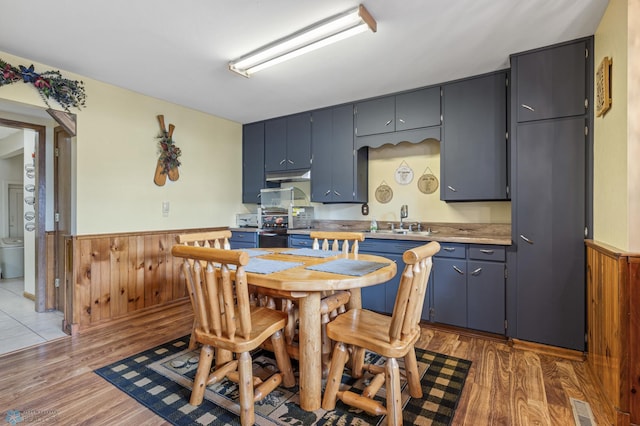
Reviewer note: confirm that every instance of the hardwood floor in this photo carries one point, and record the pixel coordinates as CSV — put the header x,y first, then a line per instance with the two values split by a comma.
x,y
506,386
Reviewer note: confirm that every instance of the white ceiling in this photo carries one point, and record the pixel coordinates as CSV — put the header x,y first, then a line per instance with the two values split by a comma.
x,y
178,51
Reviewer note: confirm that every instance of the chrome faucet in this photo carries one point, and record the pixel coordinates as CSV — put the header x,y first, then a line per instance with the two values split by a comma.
x,y
404,213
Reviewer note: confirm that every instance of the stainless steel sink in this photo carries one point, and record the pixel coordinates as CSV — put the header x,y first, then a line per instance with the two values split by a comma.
x,y
405,232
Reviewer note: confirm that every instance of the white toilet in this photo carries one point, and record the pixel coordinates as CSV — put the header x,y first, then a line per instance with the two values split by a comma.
x,y
11,257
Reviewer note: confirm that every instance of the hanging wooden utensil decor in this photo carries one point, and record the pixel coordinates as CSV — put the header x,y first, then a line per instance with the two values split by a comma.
x,y
168,162
404,174
428,182
384,193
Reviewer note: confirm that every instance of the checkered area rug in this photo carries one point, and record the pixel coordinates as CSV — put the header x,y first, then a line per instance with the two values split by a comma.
x,y
161,378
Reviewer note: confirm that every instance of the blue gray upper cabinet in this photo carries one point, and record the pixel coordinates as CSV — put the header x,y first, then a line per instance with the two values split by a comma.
x,y
288,143
339,172
473,151
552,83
405,111
252,162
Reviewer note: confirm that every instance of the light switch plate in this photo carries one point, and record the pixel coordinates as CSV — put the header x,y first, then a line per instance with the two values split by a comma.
x,y
165,208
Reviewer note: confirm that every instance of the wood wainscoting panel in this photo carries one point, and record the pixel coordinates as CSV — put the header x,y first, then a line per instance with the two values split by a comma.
x,y
612,326
116,275
634,339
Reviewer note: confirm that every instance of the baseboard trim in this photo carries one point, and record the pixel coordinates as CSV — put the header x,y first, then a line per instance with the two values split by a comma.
x,y
549,350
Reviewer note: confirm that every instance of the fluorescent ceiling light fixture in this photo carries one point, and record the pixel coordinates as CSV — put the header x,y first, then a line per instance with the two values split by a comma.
x,y
320,34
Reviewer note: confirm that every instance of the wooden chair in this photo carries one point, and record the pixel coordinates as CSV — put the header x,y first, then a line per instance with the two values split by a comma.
x,y
389,336
228,323
333,303
215,239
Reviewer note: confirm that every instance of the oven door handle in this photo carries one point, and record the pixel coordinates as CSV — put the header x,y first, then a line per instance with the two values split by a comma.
x,y
269,234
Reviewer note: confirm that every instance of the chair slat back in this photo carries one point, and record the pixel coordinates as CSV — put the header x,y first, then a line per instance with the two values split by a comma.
x,y
215,239
327,240
220,303
407,309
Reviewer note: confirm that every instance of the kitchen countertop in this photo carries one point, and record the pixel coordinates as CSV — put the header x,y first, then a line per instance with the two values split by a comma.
x,y
468,233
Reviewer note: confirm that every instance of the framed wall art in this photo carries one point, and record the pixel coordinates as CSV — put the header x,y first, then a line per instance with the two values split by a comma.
x,y
603,87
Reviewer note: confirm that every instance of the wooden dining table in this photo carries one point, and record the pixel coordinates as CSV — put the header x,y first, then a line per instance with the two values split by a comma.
x,y
307,286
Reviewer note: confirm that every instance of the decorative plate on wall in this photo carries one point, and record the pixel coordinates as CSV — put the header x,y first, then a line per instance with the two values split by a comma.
x,y
428,182
384,193
404,174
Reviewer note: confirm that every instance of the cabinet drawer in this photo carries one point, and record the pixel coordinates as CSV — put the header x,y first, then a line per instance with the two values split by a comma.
x,y
244,239
300,241
387,246
487,252
455,250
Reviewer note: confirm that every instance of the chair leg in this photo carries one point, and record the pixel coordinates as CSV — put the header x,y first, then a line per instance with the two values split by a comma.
x,y
290,328
202,375
413,378
245,370
394,395
325,345
357,362
192,340
282,359
339,359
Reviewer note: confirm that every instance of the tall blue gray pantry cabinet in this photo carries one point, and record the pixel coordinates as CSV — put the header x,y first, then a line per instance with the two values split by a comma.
x,y
551,110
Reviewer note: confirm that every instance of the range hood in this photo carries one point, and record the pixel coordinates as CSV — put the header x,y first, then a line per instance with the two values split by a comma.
x,y
289,176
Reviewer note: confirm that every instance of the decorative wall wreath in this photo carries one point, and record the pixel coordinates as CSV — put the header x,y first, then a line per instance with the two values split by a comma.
x,y
50,85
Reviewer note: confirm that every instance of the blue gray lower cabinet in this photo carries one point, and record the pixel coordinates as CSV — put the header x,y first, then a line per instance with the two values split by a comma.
x,y
242,239
466,288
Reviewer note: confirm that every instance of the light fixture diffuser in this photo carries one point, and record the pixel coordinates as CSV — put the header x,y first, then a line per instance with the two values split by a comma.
x,y
320,34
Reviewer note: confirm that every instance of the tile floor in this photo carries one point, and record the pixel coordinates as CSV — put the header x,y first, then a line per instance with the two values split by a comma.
x,y
20,325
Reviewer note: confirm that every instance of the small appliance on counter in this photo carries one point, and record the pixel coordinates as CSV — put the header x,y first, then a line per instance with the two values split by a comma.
x,y
282,209
247,220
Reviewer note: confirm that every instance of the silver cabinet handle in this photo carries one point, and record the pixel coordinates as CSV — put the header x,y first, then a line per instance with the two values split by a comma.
x,y
458,270
337,193
328,192
526,239
528,107
283,161
486,251
449,249
290,162
401,120
476,272
452,188
388,122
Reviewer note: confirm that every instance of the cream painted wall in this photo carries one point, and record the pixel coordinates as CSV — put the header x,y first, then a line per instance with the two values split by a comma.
x,y
383,163
633,135
116,155
616,134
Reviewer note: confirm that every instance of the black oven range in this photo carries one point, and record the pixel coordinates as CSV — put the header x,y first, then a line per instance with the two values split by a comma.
x,y
273,228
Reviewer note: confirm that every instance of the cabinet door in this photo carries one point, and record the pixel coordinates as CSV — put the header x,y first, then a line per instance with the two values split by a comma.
x,y
552,82
473,152
321,153
450,291
298,141
418,109
549,222
275,144
333,164
486,296
252,162
376,116
343,156
381,297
